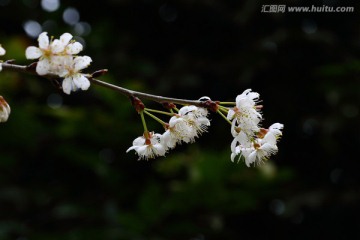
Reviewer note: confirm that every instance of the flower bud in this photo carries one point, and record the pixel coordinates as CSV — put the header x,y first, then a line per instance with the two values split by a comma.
x,y
4,110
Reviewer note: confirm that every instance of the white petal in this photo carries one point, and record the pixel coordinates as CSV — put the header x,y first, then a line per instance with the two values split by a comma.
x,y
269,148
230,114
251,158
43,40
81,63
253,96
184,110
74,48
233,144
243,139
203,121
0,67
269,138
33,53
142,151
57,46
139,141
276,126
81,82
132,148
169,140
159,149
67,85
43,66
65,38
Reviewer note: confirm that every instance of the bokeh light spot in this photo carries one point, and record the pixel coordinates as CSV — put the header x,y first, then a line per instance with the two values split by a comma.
x,y
71,16
32,28
82,28
50,5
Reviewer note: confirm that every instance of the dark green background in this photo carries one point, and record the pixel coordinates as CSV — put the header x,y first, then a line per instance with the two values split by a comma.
x,y
64,173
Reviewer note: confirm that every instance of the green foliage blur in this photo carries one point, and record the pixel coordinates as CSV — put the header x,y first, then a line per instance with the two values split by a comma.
x,y
64,173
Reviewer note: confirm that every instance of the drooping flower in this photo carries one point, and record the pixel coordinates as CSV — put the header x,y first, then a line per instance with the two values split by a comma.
x,y
149,146
245,113
256,150
189,123
259,152
73,78
4,110
196,118
178,130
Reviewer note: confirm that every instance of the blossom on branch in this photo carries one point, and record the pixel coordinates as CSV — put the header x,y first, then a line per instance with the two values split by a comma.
x,y
58,57
245,114
150,145
251,143
189,123
73,79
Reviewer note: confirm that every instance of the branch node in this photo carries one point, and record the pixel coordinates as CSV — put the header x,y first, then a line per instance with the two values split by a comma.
x,y
168,105
211,105
137,103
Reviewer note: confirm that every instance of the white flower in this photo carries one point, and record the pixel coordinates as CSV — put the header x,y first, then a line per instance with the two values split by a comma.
x,y
245,112
196,118
2,52
271,135
259,152
4,110
189,123
178,130
44,52
256,150
52,54
275,129
73,79
149,147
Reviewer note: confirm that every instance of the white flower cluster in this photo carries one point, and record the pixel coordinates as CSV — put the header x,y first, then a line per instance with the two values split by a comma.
x,y
251,142
4,110
58,57
2,53
189,123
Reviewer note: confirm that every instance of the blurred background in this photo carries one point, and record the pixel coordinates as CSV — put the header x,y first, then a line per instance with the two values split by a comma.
x,y
64,173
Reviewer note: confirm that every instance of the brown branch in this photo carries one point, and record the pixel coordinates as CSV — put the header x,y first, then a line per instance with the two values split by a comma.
x,y
7,66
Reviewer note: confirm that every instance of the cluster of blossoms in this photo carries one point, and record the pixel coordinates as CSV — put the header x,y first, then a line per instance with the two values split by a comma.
x,y
186,125
251,142
59,57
